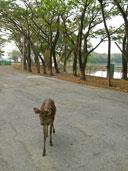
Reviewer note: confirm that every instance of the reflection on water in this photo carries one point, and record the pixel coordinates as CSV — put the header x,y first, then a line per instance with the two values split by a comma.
x,y
99,71
117,75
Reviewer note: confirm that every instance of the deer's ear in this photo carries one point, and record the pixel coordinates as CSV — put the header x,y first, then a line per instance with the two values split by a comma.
x,y
36,110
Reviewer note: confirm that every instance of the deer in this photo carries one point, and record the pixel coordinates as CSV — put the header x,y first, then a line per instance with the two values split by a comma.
x,y
46,113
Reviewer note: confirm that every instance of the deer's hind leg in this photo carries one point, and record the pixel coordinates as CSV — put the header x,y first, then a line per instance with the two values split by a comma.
x,y
47,131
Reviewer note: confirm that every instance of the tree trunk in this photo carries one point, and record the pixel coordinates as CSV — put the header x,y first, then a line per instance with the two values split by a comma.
x,y
124,69
79,40
29,49
126,52
109,43
25,55
109,60
54,45
85,53
35,54
50,47
83,66
36,57
25,63
55,63
43,64
65,54
75,64
29,57
124,62
37,63
125,45
82,73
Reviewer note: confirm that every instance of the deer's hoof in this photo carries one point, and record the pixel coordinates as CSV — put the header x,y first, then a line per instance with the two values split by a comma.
x,y
44,153
51,144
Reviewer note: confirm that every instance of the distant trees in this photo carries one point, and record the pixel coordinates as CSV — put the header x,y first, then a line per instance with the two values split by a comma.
x,y
58,30
14,55
2,42
97,58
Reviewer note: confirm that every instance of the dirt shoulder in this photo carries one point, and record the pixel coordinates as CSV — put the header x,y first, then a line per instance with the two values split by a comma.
x,y
117,84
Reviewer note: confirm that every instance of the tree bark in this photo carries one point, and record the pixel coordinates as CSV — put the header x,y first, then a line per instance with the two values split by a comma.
x,y
37,63
54,45
124,62
50,47
25,63
65,55
36,57
29,56
125,45
43,64
55,63
81,65
75,64
25,54
82,73
109,43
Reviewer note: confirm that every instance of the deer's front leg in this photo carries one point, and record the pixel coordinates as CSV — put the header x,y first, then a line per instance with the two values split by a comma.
x,y
45,134
51,126
53,129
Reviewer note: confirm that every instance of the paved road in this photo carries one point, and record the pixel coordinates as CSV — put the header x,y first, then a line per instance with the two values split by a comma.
x,y
91,125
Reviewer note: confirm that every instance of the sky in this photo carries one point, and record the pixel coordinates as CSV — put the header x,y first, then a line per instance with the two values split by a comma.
x,y
8,48
103,48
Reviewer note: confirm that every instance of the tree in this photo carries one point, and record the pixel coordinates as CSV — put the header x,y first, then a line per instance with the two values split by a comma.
x,y
83,24
123,10
2,43
1,46
15,55
45,17
109,41
11,15
16,18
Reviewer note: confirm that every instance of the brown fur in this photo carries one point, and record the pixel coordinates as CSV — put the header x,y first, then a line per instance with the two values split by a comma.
x,y
47,115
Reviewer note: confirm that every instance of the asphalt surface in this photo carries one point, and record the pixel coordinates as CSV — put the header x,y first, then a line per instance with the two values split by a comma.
x,y
91,125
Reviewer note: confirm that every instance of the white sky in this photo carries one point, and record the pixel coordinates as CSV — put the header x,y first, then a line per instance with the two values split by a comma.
x,y
103,48
8,48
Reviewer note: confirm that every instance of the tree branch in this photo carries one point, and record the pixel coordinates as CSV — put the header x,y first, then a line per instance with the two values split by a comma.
x,y
124,55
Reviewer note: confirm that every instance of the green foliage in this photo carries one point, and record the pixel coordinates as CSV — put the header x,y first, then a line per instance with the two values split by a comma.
x,y
2,42
46,55
116,58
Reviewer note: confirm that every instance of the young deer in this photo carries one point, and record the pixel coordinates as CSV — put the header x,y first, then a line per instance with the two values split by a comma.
x,y
47,114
